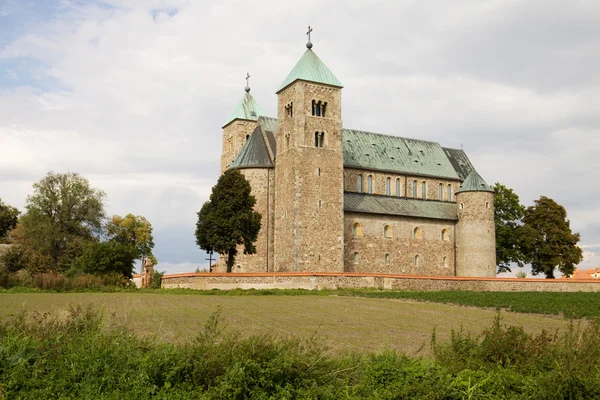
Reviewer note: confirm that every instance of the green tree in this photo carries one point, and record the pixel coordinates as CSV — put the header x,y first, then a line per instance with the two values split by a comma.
x,y
100,258
132,230
228,219
547,241
62,216
508,212
8,220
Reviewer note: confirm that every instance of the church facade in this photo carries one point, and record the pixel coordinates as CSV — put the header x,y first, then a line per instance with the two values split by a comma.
x,y
334,199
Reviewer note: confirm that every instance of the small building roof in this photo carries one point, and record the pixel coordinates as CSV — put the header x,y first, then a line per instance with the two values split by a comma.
x,y
474,183
254,153
247,109
402,206
310,68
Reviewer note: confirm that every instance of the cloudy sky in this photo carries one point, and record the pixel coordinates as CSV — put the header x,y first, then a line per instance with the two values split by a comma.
x,y
132,94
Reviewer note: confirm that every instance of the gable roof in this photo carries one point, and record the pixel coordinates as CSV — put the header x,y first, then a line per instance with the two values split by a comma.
x,y
367,150
310,68
254,153
248,109
402,206
474,183
459,160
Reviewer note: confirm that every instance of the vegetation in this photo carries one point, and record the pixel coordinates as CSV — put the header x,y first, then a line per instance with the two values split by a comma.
x,y
547,240
134,231
228,219
8,220
508,212
78,355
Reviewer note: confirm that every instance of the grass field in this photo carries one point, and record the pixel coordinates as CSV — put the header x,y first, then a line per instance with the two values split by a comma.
x,y
342,322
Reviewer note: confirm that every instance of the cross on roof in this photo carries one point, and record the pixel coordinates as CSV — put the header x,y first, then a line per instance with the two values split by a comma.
x,y
309,44
247,82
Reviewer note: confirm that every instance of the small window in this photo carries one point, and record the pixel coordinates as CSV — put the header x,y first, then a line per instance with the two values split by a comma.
x,y
449,193
357,229
386,259
445,262
445,235
323,109
417,233
424,190
320,203
462,206
322,139
359,188
370,184
417,260
388,189
398,187
441,192
318,171
387,232
313,107
356,258
414,189
487,204
316,139
247,137
287,142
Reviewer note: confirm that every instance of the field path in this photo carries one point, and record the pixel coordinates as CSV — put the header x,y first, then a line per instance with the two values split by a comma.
x,y
350,323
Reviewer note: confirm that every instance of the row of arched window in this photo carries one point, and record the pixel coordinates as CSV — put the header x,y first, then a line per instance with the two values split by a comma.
x,y
417,232
387,259
397,188
319,108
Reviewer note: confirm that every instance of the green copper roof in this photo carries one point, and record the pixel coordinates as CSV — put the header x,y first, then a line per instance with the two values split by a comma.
x,y
253,153
311,68
247,109
459,160
366,150
389,205
474,183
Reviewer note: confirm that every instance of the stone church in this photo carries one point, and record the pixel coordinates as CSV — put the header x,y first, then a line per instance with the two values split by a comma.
x,y
335,199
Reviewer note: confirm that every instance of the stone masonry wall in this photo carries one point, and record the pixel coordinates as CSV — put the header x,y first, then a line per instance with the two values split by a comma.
x,y
406,186
234,137
319,281
475,235
309,182
436,255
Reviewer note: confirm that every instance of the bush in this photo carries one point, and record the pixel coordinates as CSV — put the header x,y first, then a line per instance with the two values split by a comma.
x,y
105,258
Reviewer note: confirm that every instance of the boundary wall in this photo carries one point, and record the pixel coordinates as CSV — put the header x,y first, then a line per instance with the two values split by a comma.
x,y
324,280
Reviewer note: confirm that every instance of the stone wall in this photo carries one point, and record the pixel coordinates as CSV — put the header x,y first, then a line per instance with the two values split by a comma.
x,y
406,186
309,181
435,254
319,281
234,137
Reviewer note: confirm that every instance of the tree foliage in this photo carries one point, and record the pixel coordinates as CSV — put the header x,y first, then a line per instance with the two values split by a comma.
x,y
546,239
101,258
508,212
8,219
228,219
132,230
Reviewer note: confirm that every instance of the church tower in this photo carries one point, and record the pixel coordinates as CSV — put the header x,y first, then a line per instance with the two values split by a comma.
x,y
239,127
475,230
309,169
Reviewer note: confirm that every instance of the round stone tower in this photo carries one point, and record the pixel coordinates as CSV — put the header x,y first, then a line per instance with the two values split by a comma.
x,y
475,231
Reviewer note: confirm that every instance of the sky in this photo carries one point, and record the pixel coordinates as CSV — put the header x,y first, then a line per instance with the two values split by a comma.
x,y
132,94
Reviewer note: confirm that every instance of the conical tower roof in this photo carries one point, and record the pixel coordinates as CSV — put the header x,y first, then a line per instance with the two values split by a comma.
x,y
248,109
310,68
474,183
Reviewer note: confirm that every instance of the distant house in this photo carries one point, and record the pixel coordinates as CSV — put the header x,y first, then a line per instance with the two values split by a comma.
x,y
578,274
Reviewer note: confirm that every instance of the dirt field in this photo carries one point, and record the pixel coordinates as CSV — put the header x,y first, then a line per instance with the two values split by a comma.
x,y
341,322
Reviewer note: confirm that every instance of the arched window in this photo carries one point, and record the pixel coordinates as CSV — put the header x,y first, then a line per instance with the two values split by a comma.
x,y
417,260
370,184
323,109
414,189
386,259
247,137
449,193
441,192
287,142
388,189
417,233
445,262
387,231
313,107
357,229
359,184
487,204
445,235
318,109
322,139
356,258
424,190
397,186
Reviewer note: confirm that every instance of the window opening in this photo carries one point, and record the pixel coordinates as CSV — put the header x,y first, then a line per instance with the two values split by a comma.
x,y
445,234
487,204
370,184
441,192
398,187
313,107
386,259
357,229
417,233
321,139
424,190
318,108
359,184
462,206
387,186
323,109
417,260
356,258
247,137
445,261
414,189
316,139
449,193
387,231
318,171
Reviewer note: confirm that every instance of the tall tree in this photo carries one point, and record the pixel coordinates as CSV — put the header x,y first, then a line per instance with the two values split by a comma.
x,y
547,240
508,212
8,219
63,215
228,219
132,230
